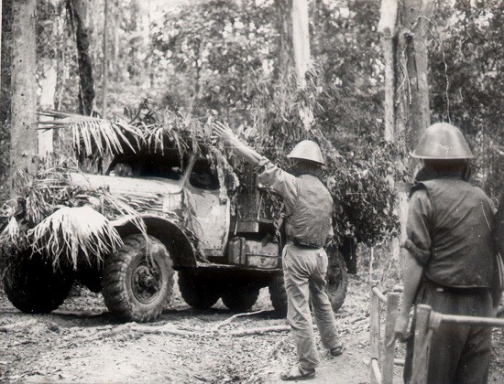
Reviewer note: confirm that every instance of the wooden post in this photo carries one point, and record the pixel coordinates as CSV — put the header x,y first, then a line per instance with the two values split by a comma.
x,y
374,333
388,351
420,353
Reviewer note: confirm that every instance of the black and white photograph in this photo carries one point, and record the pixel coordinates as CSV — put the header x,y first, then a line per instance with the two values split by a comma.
x,y
251,191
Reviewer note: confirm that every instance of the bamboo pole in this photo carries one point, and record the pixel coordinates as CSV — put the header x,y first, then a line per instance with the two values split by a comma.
x,y
472,320
380,295
420,350
399,362
375,335
376,377
388,350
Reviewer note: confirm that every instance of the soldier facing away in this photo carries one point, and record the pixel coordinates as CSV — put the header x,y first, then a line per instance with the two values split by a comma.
x,y
309,208
449,263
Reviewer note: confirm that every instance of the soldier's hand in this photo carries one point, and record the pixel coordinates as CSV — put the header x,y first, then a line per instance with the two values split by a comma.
x,y
401,332
222,132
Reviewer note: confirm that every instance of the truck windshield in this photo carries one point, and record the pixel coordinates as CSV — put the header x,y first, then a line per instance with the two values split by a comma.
x,y
167,165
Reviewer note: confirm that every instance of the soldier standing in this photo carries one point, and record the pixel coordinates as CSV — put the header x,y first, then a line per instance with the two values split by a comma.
x,y
449,263
309,208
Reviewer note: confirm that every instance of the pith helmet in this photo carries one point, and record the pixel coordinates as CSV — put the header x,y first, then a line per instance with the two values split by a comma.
x,y
307,150
442,141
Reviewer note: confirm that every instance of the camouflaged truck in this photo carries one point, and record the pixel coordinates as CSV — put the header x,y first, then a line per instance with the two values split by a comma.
x,y
218,253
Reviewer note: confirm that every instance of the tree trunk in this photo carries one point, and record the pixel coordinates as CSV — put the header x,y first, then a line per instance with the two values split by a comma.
x,y
24,99
300,40
413,114
285,53
1,13
105,60
416,17
387,28
48,90
407,111
5,95
78,11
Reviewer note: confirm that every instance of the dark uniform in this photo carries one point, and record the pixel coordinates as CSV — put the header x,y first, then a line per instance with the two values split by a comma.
x,y
309,208
449,234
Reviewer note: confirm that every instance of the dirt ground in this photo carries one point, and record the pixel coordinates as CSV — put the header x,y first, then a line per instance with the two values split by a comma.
x,y
81,343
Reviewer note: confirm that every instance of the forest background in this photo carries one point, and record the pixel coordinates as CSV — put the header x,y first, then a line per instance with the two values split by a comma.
x,y
227,60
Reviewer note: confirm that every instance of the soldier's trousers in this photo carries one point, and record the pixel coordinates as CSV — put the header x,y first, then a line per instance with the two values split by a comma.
x,y
304,274
458,354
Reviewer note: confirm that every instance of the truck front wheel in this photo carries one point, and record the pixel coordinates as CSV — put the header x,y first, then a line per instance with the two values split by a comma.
x,y
33,286
138,279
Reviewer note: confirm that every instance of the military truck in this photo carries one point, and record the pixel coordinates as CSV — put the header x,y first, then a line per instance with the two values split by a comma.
x,y
221,245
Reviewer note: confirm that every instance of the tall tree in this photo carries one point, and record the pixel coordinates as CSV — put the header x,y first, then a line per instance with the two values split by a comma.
x,y
416,14
24,99
387,28
407,110
79,13
285,54
301,39
105,60
6,61
412,92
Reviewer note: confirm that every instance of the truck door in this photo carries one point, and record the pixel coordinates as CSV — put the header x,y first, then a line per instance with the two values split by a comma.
x,y
210,208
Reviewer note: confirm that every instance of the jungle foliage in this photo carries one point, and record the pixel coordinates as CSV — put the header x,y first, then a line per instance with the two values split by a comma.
x,y
218,60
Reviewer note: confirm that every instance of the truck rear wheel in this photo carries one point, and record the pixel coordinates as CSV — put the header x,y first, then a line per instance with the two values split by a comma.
x,y
32,285
138,279
337,279
197,290
240,297
278,295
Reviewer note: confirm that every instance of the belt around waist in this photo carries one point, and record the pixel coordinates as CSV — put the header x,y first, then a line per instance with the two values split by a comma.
x,y
299,244
457,290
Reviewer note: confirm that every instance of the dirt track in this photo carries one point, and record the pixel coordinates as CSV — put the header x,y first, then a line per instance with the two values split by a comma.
x,y
81,343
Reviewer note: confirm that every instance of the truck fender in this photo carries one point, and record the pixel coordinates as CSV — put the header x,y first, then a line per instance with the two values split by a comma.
x,y
181,247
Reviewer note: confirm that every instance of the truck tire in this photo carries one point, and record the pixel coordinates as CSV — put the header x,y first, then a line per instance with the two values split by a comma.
x,y
32,285
138,279
336,278
240,297
278,296
198,291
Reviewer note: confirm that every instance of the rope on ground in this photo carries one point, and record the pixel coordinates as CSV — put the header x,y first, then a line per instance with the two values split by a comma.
x,y
229,320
